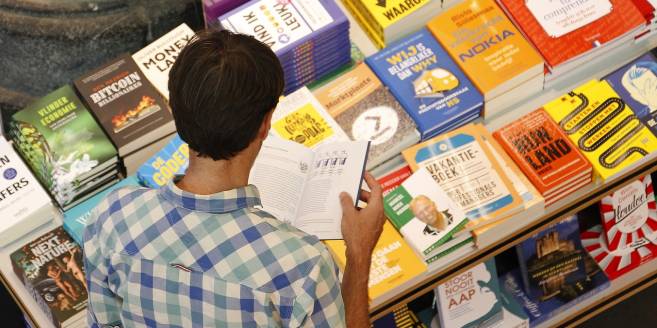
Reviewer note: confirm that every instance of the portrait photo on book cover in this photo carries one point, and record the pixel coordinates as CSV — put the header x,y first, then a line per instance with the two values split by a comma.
x,y
425,210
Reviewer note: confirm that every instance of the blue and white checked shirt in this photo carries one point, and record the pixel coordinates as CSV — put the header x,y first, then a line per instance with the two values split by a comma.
x,y
168,258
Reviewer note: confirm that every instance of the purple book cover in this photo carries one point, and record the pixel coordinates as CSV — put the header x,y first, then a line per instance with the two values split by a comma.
x,y
285,25
215,8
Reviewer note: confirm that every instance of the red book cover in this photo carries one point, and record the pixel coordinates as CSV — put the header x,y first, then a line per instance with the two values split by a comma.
x,y
619,262
394,179
542,151
646,9
629,215
562,30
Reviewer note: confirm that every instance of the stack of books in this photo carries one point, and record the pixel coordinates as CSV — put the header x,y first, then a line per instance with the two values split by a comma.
x,y
618,142
545,155
627,237
647,9
132,112
162,167
491,51
386,21
310,38
427,217
633,84
156,59
24,205
555,272
568,35
430,86
79,216
65,147
51,269
475,299
462,164
366,110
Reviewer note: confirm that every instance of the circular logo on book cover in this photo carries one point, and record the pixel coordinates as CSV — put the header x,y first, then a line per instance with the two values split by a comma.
x,y
9,173
377,125
630,207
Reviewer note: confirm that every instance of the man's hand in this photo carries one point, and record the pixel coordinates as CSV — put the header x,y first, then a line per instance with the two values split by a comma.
x,y
361,230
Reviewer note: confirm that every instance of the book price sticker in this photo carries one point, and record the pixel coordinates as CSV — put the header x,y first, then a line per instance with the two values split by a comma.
x,y
560,17
377,125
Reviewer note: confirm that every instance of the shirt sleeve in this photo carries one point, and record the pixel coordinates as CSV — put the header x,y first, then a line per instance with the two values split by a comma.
x,y
323,298
103,307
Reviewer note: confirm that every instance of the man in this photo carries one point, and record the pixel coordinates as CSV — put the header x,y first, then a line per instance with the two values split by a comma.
x,y
198,252
73,268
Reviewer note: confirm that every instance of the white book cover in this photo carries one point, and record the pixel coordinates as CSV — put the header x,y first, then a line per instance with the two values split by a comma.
x,y
559,17
471,299
300,117
156,59
22,199
423,213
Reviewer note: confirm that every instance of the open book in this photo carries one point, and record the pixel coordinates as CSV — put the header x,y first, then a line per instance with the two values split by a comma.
x,y
302,186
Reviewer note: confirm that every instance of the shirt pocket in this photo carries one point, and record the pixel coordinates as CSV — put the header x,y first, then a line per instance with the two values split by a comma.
x,y
171,295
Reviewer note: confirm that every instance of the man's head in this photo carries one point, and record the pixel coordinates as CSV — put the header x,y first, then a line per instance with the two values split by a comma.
x,y
222,89
425,210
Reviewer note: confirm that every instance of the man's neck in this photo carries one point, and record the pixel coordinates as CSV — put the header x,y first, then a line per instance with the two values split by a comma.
x,y
205,176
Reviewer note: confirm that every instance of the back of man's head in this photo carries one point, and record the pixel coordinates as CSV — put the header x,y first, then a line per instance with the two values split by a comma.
x,y
221,87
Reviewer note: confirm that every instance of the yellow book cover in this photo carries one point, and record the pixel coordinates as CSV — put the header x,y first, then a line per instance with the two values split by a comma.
x,y
375,36
388,12
603,127
464,167
393,262
485,44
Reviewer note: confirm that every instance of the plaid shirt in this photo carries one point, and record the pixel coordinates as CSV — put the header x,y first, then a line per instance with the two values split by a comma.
x,y
169,258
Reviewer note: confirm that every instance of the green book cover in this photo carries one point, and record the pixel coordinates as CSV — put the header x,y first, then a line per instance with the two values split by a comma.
x,y
61,142
424,214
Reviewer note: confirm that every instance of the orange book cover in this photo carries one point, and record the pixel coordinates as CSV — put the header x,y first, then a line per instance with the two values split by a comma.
x,y
562,30
484,43
542,150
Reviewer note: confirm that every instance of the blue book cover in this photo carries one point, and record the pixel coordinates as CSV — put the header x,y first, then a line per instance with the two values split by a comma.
x,y
77,217
172,160
553,260
636,84
427,82
541,311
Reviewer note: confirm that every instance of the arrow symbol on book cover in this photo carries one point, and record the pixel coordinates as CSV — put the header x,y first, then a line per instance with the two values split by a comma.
x,y
381,3
377,119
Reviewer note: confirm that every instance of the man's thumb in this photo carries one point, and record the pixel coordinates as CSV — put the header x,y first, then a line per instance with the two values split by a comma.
x,y
347,202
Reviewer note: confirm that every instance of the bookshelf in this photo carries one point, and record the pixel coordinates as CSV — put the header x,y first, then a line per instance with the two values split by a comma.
x,y
496,240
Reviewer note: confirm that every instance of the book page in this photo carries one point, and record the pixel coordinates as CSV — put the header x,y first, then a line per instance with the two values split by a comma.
x,y
335,168
279,173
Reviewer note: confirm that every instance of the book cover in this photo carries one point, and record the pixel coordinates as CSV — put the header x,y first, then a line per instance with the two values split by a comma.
x,y
21,196
603,127
156,59
635,83
629,215
471,299
393,262
542,151
126,105
301,118
619,262
466,170
541,311
285,25
562,30
51,269
61,142
552,262
484,42
366,110
400,317
78,217
426,81
384,13
393,179
170,161
423,213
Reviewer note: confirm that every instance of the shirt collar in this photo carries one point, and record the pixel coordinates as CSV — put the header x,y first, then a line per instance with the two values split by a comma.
x,y
221,202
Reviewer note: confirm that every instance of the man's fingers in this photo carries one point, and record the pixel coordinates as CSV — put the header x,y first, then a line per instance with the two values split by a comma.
x,y
365,195
375,193
347,203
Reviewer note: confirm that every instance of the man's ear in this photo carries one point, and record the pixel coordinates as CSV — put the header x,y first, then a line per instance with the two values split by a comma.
x,y
266,125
